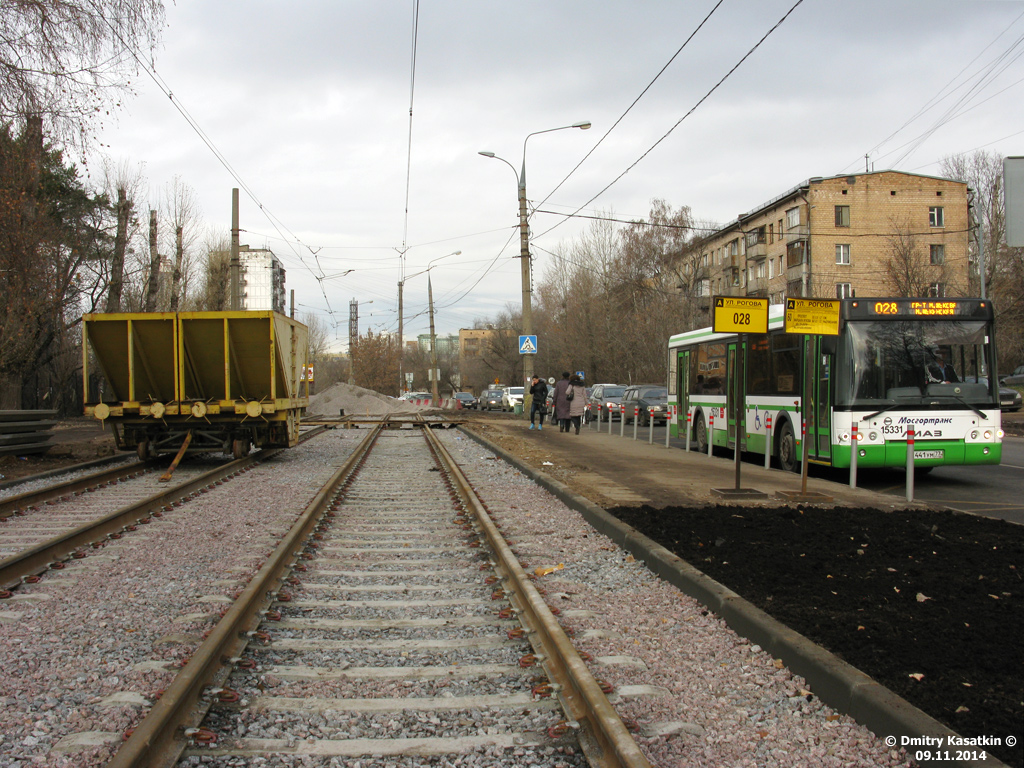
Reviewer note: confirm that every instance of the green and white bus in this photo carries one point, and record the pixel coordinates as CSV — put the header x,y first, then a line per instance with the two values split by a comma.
x,y
896,363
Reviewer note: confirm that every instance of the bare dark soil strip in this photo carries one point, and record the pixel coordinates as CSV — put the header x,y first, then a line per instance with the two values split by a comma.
x,y
928,603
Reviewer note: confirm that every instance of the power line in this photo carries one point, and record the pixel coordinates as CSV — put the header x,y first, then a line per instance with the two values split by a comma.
x,y
635,101
693,109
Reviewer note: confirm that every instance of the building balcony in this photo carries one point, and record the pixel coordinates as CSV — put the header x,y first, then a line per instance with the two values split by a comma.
x,y
757,251
801,232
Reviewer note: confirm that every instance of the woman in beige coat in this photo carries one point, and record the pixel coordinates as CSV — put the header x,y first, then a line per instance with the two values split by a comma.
x,y
578,403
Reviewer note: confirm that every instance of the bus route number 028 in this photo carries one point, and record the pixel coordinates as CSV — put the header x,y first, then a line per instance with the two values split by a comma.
x,y
741,318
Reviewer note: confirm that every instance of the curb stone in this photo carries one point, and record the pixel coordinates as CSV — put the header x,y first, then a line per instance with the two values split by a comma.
x,y
838,684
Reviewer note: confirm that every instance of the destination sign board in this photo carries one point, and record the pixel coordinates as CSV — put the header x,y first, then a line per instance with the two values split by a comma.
x,y
903,308
819,317
740,314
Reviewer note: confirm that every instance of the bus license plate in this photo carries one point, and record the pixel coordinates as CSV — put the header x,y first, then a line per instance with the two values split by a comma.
x,y
929,454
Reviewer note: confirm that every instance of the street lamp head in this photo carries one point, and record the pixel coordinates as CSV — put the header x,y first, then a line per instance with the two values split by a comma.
x,y
486,154
582,126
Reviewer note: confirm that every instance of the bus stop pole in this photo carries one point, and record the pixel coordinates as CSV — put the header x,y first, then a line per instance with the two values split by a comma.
x,y
740,407
807,408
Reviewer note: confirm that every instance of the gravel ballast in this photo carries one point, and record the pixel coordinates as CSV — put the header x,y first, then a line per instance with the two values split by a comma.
x,y
706,696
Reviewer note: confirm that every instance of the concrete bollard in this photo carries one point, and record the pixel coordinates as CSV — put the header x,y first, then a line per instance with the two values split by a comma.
x,y
689,425
650,426
711,433
910,463
768,441
636,419
854,451
622,420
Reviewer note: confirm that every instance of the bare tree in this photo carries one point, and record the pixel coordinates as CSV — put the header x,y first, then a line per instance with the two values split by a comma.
x,y
181,210
1004,266
908,272
71,60
375,362
125,185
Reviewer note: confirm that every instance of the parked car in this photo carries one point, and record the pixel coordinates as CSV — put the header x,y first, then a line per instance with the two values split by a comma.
x,y
467,399
511,397
1009,399
607,396
416,395
1014,379
491,399
645,397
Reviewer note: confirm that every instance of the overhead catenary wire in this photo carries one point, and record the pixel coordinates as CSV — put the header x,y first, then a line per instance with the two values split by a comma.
x,y
693,109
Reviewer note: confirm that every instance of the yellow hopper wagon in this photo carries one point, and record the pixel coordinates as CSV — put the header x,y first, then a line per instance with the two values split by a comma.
x,y
222,381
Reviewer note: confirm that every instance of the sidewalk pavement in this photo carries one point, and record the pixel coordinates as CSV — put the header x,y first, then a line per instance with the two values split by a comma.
x,y
612,470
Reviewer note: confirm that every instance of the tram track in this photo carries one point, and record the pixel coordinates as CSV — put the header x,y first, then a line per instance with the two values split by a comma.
x,y
46,527
392,633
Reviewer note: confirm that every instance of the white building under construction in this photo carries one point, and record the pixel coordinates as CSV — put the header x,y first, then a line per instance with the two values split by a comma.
x,y
261,280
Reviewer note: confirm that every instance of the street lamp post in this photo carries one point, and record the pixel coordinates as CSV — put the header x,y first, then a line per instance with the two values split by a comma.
x,y
524,252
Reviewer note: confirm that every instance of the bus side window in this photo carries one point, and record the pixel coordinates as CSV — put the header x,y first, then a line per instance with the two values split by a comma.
x,y
786,362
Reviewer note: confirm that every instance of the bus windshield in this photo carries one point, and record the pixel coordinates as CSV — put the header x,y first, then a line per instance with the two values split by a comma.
x,y
914,362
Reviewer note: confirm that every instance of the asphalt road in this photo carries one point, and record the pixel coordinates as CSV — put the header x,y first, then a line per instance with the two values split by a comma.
x,y
992,491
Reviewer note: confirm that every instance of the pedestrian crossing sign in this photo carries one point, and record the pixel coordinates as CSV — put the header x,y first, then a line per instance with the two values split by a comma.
x,y
527,345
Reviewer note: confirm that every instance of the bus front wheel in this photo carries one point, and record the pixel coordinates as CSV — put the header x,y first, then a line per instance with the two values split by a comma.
x,y
787,448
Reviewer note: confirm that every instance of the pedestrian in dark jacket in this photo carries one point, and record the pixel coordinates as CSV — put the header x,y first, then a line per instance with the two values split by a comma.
x,y
562,404
539,390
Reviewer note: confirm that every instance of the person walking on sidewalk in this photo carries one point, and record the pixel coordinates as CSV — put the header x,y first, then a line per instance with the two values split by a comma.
x,y
561,404
576,394
539,391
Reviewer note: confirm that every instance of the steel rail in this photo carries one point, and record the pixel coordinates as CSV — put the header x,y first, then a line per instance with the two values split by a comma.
x,y
35,560
12,504
603,737
158,740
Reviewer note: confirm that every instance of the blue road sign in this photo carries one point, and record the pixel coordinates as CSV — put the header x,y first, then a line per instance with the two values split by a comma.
x,y
527,345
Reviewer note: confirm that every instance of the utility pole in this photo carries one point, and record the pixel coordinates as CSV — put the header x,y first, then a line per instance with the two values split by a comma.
x,y
433,343
236,297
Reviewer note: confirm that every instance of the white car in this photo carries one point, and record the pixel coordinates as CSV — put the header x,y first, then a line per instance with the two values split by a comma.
x,y
511,397
416,396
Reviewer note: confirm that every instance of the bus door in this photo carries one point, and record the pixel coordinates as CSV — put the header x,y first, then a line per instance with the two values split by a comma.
x,y
821,430
732,377
682,391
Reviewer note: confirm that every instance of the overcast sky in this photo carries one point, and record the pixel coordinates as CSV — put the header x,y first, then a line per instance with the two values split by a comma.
x,y
308,103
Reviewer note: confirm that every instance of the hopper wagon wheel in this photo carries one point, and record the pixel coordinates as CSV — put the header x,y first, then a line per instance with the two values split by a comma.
x,y
143,449
240,447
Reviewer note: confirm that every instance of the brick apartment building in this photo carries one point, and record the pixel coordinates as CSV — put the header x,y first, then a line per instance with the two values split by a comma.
x,y
867,234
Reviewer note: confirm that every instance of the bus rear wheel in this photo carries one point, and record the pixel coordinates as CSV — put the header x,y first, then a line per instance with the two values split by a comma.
x,y
787,449
701,435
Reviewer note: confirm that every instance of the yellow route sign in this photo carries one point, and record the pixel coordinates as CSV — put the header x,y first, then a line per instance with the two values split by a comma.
x,y
736,314
819,317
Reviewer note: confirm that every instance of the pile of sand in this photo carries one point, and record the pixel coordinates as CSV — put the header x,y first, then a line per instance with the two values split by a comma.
x,y
356,401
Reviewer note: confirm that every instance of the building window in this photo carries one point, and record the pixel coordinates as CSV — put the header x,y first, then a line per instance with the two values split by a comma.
x,y
842,215
842,253
935,217
734,247
792,218
735,276
937,253
844,291
771,268
795,253
937,291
